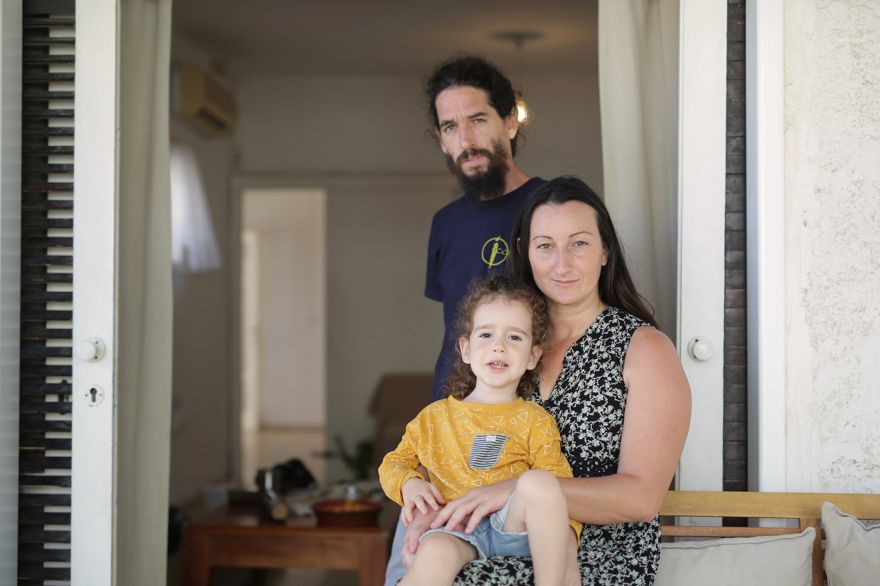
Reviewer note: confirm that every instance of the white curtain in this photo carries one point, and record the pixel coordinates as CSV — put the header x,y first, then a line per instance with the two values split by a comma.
x,y
145,295
194,246
638,88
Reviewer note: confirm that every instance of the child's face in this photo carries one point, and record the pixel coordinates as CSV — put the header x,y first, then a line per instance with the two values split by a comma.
x,y
500,348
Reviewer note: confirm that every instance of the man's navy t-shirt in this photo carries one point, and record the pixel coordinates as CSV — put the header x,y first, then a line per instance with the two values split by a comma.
x,y
469,239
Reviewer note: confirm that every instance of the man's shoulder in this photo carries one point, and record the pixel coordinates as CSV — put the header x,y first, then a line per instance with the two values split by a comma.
x,y
464,205
453,208
524,190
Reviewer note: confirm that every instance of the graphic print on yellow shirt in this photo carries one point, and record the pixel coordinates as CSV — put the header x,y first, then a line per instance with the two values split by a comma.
x,y
451,439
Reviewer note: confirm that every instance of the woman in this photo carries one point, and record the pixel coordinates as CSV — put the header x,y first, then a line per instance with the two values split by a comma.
x,y
612,381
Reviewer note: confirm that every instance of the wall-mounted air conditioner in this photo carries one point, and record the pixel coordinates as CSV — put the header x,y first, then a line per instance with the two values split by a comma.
x,y
202,100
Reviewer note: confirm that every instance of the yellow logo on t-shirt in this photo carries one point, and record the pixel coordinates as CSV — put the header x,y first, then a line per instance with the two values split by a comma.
x,y
495,251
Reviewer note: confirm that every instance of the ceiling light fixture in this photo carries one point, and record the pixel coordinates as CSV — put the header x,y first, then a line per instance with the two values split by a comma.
x,y
519,39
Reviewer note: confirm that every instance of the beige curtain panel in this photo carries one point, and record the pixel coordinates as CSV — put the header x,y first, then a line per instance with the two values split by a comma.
x,y
145,294
638,95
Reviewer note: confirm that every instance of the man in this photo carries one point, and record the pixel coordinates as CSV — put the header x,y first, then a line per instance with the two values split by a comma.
x,y
473,113
472,107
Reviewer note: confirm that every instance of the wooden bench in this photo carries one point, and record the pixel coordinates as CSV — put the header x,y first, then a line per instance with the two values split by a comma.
x,y
805,508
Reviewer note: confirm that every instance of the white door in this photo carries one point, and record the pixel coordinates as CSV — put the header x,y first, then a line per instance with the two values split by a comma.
x,y
60,477
95,295
702,108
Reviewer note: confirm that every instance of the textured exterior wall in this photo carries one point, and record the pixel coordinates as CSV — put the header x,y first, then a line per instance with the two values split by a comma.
x,y
832,178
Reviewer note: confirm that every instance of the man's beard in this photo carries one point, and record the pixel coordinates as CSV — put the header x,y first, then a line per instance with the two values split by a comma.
x,y
482,185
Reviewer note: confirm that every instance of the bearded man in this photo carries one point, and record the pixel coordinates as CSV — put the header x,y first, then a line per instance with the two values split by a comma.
x,y
472,107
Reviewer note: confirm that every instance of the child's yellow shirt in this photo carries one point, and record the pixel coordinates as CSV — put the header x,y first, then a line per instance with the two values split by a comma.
x,y
464,445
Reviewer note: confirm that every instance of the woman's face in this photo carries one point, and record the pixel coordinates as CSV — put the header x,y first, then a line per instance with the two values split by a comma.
x,y
567,253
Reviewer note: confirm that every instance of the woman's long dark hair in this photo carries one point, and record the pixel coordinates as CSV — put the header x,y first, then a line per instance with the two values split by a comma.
x,y
615,284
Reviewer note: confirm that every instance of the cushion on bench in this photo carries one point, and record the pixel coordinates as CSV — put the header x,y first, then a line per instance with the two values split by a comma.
x,y
774,560
852,549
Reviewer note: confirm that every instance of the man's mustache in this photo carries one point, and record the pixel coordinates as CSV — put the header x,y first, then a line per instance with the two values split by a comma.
x,y
472,153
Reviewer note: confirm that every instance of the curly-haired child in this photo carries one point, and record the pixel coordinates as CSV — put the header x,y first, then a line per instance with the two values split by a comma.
x,y
484,432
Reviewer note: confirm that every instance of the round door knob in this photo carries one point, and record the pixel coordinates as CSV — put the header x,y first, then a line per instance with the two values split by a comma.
x,y
700,349
90,350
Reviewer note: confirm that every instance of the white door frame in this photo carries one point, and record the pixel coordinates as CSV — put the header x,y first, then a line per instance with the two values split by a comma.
x,y
765,242
702,104
10,280
701,178
93,517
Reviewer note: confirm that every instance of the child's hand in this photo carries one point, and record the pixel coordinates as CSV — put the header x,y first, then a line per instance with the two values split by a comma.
x,y
421,494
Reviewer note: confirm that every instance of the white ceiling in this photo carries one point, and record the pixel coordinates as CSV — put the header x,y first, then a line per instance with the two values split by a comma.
x,y
390,37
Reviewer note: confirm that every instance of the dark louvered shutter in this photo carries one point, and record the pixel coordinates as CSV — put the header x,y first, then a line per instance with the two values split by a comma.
x,y
46,292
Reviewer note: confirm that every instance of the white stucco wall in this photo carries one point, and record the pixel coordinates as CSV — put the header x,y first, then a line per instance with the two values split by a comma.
x,y
832,199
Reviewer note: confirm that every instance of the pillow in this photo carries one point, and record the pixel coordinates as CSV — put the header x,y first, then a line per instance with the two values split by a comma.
x,y
774,560
852,548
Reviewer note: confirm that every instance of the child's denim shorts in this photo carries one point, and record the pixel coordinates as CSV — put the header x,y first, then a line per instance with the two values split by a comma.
x,y
489,539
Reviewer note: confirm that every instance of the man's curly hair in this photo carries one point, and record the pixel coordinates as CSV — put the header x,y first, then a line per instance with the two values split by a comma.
x,y
462,380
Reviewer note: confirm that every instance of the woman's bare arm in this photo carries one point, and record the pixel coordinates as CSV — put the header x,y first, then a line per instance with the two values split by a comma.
x,y
655,425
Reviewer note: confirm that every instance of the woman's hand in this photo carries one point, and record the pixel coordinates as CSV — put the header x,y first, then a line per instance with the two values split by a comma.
x,y
420,494
420,523
474,505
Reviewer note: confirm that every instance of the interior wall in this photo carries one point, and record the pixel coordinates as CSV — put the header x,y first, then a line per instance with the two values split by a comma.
x,y
379,320
832,138
291,224
379,125
564,137
200,437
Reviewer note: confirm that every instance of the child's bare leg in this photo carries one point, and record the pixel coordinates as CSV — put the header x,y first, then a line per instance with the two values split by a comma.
x,y
538,506
438,561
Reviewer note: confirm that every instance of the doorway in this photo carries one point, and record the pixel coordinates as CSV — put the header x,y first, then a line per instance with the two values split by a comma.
x,y
283,329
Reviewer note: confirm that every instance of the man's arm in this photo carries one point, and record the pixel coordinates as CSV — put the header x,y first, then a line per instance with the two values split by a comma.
x,y
433,287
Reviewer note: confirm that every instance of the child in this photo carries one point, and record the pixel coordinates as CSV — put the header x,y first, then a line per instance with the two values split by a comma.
x,y
484,432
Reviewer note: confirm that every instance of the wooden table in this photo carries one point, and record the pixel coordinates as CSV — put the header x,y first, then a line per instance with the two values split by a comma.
x,y
241,537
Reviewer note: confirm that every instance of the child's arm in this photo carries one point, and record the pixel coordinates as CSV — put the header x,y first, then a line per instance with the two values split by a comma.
x,y
402,481
421,494
399,465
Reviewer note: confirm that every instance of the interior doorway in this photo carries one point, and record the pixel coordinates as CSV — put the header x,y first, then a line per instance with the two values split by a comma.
x,y
283,328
